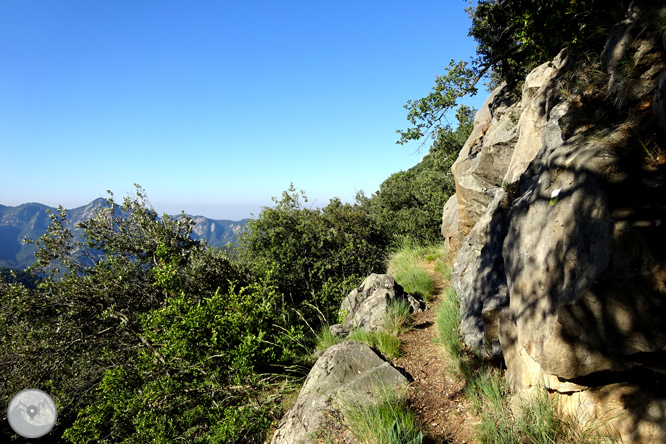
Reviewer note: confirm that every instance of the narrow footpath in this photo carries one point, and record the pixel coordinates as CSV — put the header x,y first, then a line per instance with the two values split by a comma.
x,y
435,396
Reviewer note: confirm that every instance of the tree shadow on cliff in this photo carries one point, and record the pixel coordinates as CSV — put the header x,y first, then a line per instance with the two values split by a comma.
x,y
584,254
572,270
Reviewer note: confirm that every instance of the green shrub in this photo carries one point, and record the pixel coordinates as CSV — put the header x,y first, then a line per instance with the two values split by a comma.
x,y
313,256
199,380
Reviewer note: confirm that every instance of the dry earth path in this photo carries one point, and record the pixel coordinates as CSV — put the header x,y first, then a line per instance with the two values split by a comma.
x,y
435,396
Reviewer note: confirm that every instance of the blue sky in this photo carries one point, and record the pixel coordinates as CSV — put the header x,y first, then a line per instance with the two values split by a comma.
x,y
214,106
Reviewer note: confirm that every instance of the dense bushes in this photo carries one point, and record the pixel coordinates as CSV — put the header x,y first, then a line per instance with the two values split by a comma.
x,y
142,334
138,325
199,384
313,256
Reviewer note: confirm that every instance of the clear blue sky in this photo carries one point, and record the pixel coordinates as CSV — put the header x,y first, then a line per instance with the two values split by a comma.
x,y
214,106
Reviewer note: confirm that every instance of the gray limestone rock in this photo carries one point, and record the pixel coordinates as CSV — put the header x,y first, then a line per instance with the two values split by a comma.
x,y
364,307
563,267
347,372
450,229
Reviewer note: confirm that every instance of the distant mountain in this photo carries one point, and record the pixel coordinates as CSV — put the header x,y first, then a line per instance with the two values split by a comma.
x,y
30,221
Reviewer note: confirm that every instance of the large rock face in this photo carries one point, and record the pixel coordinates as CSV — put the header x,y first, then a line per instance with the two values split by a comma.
x,y
485,157
347,372
511,129
364,307
562,269
450,230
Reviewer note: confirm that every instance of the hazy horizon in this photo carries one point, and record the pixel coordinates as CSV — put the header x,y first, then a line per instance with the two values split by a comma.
x,y
214,107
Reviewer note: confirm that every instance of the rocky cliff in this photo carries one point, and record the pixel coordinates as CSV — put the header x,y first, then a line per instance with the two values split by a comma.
x,y
558,223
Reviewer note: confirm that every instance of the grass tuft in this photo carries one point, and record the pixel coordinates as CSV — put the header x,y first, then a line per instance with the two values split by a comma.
x,y
326,339
535,419
407,266
386,344
387,421
397,318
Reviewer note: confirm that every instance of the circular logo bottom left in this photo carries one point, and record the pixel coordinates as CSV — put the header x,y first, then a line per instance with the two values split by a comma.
x,y
32,413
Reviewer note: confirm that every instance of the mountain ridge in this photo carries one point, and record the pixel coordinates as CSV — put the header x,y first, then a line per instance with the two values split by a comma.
x,y
30,220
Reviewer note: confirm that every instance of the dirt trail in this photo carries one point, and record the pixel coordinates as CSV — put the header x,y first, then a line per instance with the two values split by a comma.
x,y
435,396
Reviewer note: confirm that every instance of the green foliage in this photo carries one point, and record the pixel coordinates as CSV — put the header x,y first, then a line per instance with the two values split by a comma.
x,y
397,319
428,115
89,321
409,203
387,421
200,385
24,278
313,255
515,36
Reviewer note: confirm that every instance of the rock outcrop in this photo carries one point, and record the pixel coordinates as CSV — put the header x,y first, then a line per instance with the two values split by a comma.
x,y
561,205
485,157
365,306
452,235
347,372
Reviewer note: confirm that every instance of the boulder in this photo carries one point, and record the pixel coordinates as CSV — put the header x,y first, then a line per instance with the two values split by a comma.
x,y
364,307
539,96
347,372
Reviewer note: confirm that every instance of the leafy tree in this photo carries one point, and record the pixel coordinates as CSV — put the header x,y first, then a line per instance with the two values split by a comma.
x,y
428,115
87,317
313,256
410,203
513,36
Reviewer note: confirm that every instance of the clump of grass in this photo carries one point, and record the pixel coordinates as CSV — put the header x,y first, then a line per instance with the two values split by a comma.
x,y
447,321
406,265
444,269
326,339
535,419
387,421
397,318
386,344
